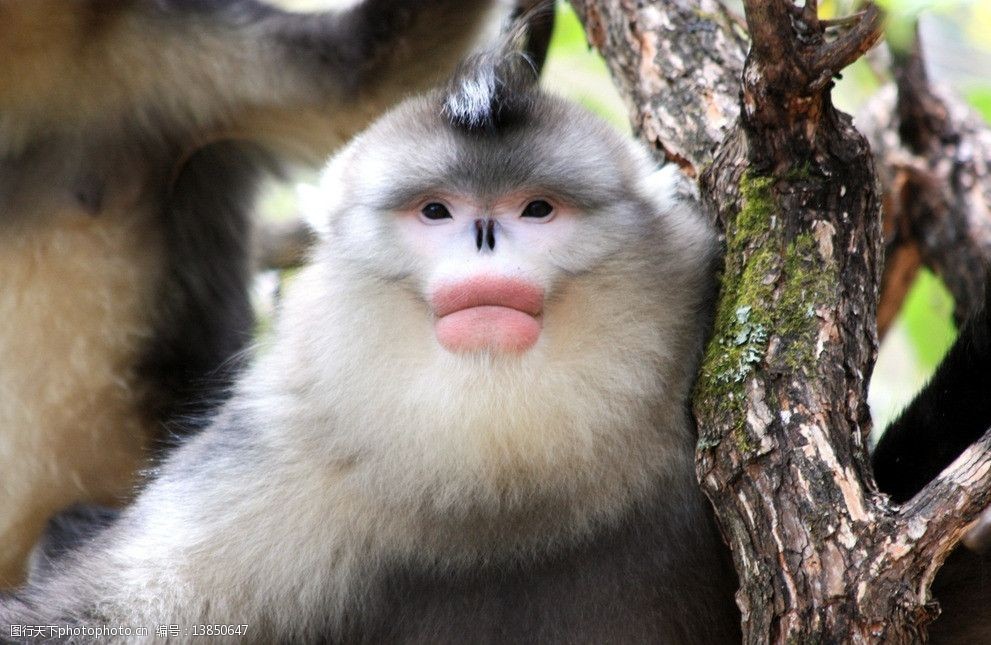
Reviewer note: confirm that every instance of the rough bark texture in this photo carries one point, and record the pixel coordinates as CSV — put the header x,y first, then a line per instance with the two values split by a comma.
x,y
783,388
933,157
677,63
781,401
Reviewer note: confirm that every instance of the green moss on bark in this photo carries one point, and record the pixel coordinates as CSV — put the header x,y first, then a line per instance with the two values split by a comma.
x,y
769,287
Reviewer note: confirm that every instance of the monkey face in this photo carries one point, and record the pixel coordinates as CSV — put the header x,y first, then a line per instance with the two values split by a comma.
x,y
504,314
519,245
496,235
486,265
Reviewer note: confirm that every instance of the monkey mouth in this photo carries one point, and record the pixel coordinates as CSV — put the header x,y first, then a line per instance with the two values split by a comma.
x,y
488,313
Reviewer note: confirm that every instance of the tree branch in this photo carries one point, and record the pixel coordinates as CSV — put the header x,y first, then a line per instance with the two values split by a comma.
x,y
938,517
782,393
933,157
781,400
864,34
677,63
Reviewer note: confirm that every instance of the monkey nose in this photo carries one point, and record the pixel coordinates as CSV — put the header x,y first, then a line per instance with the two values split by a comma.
x,y
485,234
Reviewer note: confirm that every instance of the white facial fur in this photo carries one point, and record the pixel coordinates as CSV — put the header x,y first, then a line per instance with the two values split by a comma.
x,y
446,249
569,426
358,441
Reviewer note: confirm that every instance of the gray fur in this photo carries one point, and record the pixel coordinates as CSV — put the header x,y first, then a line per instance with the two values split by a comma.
x,y
365,485
133,136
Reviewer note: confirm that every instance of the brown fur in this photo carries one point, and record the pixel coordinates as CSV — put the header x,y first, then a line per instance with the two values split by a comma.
x,y
74,330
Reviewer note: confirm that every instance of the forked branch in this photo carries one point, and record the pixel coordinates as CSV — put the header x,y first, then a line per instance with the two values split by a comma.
x,y
936,519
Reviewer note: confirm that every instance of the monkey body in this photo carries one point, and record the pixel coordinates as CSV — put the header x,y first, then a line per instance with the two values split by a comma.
x,y
133,137
72,422
378,476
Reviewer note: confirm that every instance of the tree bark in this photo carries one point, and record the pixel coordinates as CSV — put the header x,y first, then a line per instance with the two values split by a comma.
x,y
933,155
677,64
781,400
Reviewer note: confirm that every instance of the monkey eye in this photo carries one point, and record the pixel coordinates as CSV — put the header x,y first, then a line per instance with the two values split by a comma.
x,y
538,209
435,211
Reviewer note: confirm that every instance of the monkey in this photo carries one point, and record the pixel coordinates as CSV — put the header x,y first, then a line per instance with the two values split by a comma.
x,y
950,413
471,423
133,137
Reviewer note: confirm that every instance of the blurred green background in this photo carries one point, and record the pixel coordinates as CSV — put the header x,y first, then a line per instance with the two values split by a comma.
x,y
957,39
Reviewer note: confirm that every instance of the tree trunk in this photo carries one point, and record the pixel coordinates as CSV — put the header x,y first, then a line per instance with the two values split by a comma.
x,y
781,400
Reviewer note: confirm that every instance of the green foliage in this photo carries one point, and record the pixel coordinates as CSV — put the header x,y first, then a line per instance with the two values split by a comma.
x,y
577,72
979,97
928,318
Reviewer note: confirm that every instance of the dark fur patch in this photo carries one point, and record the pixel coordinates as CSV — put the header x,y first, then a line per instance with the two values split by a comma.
x,y
356,48
540,27
948,415
66,532
205,315
495,89
963,589
244,8
619,587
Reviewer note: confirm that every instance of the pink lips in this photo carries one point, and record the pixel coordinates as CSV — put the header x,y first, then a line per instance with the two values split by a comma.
x,y
501,314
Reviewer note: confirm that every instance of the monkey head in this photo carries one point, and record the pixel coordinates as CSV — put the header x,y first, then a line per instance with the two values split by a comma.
x,y
489,213
508,308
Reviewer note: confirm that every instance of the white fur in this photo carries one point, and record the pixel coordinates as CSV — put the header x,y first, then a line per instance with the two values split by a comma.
x,y
473,102
357,441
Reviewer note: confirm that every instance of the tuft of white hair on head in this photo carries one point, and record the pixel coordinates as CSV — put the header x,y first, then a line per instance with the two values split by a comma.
x,y
494,88
471,104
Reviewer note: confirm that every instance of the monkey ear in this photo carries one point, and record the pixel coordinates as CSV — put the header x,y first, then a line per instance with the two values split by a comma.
x,y
496,88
